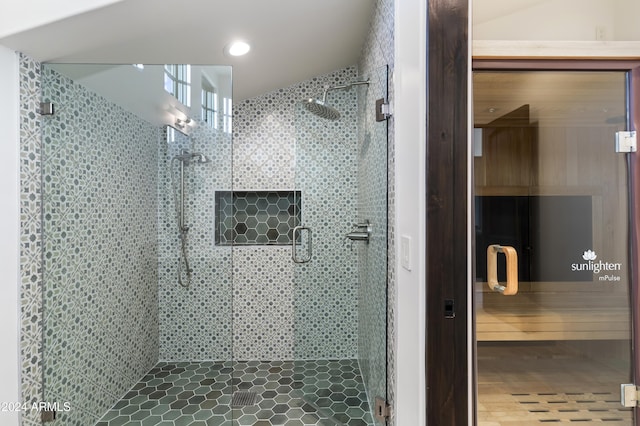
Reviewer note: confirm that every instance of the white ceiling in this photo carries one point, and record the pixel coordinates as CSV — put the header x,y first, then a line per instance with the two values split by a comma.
x,y
292,40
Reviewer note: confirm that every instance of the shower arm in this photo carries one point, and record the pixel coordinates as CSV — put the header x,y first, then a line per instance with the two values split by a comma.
x,y
344,86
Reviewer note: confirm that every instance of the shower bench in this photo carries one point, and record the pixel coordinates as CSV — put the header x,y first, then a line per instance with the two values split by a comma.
x,y
551,316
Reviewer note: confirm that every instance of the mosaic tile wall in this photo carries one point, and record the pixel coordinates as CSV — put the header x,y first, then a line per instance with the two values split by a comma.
x,y
257,217
326,287
263,303
100,249
315,318
30,238
326,321
194,322
377,54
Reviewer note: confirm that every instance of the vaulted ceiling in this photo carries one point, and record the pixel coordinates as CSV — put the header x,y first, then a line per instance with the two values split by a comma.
x,y
292,40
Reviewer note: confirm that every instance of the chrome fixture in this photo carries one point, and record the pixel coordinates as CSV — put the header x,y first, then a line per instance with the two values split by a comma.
x,y
382,409
320,107
188,157
185,158
383,110
294,255
626,142
180,124
46,108
361,232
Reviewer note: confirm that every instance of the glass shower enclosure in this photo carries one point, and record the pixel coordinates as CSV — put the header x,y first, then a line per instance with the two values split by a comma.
x,y
269,324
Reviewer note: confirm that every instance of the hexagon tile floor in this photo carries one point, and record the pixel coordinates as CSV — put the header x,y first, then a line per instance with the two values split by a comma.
x,y
291,393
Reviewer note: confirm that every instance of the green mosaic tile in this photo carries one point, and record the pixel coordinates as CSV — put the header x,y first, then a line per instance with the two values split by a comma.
x,y
327,398
256,217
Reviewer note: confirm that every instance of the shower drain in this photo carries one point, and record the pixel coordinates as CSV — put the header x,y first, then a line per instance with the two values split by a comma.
x,y
243,399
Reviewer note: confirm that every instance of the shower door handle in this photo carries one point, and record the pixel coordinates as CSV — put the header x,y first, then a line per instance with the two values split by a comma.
x,y
294,237
511,256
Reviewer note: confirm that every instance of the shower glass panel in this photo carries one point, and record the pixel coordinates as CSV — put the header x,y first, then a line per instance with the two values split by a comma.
x,y
124,342
552,307
340,284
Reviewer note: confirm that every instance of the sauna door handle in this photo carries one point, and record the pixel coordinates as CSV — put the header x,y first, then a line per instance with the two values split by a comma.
x,y
511,256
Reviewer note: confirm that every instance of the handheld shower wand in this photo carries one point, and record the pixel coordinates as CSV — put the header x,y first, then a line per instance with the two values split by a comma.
x,y
185,158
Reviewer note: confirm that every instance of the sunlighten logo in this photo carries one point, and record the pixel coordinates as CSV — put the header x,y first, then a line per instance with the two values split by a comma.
x,y
591,265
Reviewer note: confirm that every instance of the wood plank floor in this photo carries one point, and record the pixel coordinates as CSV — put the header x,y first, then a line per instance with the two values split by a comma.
x,y
537,383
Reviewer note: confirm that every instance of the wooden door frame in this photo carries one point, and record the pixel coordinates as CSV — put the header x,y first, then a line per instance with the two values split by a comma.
x,y
446,247
633,68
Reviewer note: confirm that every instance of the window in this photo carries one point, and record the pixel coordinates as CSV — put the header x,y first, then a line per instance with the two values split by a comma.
x,y
209,105
177,81
171,134
226,115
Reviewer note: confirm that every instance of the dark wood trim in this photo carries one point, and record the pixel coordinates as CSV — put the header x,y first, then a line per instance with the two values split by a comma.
x,y
446,239
634,231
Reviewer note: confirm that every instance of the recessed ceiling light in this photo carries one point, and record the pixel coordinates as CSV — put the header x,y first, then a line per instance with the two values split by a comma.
x,y
238,48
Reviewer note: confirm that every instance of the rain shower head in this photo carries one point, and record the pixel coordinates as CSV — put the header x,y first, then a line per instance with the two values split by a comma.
x,y
320,107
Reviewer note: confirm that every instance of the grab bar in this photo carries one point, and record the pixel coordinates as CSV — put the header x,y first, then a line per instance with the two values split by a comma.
x,y
511,257
294,238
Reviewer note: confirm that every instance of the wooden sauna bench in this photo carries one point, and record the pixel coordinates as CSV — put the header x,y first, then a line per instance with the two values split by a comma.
x,y
527,316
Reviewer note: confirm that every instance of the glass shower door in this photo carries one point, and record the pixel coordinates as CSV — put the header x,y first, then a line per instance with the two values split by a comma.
x,y
100,253
124,342
552,307
340,283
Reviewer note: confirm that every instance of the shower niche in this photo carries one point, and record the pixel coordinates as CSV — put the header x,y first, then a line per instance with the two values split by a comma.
x,y
257,217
